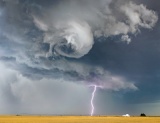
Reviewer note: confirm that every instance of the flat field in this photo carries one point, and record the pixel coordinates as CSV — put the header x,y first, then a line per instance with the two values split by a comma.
x,y
77,119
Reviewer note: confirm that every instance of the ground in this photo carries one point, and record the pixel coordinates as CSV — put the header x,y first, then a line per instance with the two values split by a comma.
x,y
77,119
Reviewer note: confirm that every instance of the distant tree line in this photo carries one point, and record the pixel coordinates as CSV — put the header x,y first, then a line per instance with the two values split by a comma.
x,y
143,115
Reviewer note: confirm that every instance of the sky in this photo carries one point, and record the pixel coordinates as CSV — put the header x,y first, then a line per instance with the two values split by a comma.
x,y
52,51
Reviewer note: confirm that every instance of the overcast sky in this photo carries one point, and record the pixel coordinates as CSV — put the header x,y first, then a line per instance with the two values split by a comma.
x,y
51,51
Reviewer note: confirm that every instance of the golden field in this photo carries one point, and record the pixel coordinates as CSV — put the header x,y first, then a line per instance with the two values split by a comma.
x,y
77,119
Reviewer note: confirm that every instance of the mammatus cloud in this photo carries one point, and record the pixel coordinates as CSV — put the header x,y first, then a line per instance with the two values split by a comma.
x,y
49,41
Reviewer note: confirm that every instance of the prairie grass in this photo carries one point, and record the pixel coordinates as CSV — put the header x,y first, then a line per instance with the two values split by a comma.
x,y
77,119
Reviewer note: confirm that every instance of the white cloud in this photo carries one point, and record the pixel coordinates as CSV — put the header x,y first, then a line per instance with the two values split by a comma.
x,y
126,38
138,16
122,18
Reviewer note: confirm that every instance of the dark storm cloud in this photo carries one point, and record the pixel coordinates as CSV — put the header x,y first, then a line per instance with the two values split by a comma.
x,y
138,61
35,34
109,43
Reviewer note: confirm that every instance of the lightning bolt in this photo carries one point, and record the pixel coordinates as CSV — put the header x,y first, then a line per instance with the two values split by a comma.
x,y
93,94
92,98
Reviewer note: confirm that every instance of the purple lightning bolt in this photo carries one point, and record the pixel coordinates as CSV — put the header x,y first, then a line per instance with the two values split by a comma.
x,y
93,93
92,98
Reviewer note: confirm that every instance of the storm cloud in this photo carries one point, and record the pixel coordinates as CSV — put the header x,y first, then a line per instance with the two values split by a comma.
x,y
73,42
